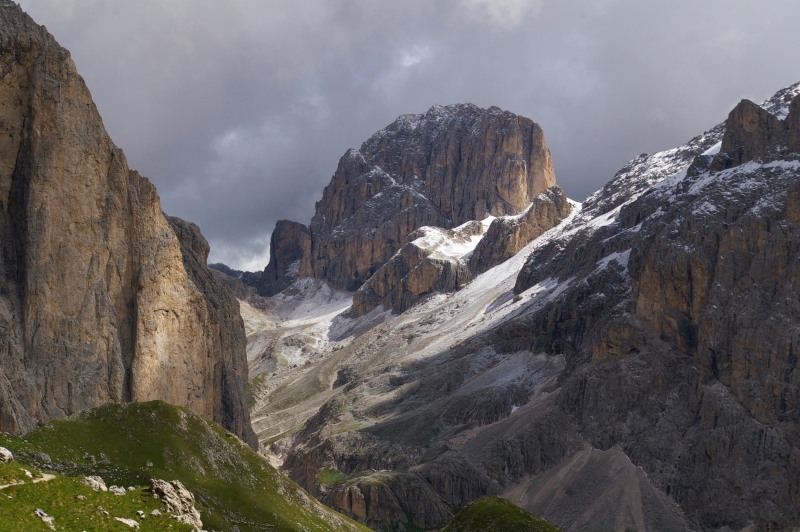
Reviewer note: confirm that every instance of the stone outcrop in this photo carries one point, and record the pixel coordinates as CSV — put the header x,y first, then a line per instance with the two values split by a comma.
x,y
178,500
430,262
389,501
94,482
6,456
289,257
442,260
443,168
46,519
752,133
102,298
507,235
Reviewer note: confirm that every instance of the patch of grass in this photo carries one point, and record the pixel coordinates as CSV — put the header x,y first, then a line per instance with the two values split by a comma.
x,y
497,515
233,485
60,499
273,439
14,472
331,476
254,386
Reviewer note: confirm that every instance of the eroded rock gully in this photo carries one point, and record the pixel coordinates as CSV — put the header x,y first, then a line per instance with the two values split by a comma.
x,y
102,297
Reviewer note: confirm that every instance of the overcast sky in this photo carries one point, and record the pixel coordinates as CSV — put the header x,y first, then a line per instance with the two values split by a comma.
x,y
238,110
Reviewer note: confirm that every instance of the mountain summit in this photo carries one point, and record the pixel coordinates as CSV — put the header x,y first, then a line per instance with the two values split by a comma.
x,y
442,168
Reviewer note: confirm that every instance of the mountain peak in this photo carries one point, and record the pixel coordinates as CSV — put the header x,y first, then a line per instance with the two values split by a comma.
x,y
442,168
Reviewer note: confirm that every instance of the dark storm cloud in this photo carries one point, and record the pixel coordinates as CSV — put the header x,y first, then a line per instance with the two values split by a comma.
x,y
239,110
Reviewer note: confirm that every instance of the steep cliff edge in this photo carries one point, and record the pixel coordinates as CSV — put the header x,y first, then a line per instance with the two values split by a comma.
x,y
442,168
289,257
100,301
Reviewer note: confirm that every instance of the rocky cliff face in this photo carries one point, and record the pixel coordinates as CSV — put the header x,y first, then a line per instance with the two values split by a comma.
x,y
631,368
433,261
442,168
102,298
507,235
705,255
442,260
290,257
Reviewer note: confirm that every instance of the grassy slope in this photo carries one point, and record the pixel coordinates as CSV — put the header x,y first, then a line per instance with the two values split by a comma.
x,y
58,498
233,485
497,515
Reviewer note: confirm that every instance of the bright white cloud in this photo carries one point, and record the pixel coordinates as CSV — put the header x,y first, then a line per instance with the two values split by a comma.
x,y
415,55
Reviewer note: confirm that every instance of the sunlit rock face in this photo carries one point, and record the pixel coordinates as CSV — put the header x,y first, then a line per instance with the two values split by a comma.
x,y
102,297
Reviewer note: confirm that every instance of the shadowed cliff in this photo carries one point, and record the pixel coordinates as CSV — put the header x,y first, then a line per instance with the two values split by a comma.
x,y
102,299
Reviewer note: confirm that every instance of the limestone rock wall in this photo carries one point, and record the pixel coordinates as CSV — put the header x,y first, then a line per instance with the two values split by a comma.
x,y
228,373
417,270
752,132
644,377
705,310
420,267
506,236
97,300
290,257
442,168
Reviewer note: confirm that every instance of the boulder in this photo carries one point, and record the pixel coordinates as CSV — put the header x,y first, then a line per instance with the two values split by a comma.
x,y
129,522
48,520
178,500
94,482
6,456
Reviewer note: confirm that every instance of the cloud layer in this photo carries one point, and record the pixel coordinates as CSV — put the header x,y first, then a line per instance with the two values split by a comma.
x,y
238,111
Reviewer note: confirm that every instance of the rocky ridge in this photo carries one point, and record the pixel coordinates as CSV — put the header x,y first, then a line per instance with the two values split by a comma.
x,y
432,261
440,260
649,336
102,298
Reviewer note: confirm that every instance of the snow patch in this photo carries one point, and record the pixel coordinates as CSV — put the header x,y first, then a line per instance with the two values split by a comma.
x,y
620,258
293,269
447,245
713,150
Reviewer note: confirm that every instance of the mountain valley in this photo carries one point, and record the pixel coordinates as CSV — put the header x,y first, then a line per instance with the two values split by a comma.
x,y
451,343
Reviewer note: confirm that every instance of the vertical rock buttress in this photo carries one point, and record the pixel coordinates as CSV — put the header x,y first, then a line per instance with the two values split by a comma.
x,y
99,299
